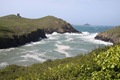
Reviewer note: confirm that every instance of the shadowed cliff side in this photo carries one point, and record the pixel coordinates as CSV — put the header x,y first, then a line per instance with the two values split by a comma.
x,y
52,24
16,30
111,35
16,40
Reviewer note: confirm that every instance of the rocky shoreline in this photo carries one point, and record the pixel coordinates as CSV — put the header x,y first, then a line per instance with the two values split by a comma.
x,y
65,29
23,39
32,30
111,35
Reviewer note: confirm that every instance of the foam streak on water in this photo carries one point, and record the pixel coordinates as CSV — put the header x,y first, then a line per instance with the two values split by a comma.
x,y
54,47
62,49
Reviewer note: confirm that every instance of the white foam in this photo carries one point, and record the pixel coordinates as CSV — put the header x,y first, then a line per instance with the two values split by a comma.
x,y
69,39
29,51
71,34
102,42
62,49
85,33
90,38
35,43
3,64
54,36
7,50
55,33
33,56
23,60
59,42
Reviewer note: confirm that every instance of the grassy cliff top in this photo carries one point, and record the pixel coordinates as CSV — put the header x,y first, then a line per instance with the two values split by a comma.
x,y
13,24
115,30
112,35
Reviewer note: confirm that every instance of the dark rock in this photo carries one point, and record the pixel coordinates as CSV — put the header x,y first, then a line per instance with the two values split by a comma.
x,y
23,39
24,30
111,35
58,25
86,24
18,15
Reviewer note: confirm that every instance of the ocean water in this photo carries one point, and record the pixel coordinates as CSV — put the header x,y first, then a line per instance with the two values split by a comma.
x,y
56,46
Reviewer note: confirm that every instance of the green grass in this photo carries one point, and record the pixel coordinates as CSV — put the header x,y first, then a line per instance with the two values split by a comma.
x,y
112,34
14,25
100,64
114,30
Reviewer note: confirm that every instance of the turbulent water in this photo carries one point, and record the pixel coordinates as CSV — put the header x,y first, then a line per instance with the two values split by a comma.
x,y
56,46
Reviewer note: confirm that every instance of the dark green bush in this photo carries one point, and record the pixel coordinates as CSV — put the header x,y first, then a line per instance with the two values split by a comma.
x,y
100,64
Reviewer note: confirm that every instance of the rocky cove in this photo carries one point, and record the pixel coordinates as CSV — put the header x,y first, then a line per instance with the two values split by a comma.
x,y
21,40
20,31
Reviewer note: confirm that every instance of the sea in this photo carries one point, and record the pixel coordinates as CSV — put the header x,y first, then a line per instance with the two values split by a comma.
x,y
56,46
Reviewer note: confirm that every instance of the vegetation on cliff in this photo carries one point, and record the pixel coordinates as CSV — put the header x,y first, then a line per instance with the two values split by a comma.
x,y
100,64
16,30
19,25
111,35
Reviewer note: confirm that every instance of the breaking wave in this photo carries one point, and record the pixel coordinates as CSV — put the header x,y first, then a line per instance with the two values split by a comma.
x,y
54,47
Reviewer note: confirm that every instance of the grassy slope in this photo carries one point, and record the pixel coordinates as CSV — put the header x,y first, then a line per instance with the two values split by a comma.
x,y
100,64
13,24
112,34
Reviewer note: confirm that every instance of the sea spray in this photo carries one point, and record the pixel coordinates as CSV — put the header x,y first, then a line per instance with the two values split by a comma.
x,y
56,46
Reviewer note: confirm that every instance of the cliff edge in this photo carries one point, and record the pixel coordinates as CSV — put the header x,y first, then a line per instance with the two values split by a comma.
x,y
111,35
16,30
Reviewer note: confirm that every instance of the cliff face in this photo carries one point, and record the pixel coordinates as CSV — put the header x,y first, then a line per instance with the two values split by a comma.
x,y
111,35
16,41
16,30
64,28
52,24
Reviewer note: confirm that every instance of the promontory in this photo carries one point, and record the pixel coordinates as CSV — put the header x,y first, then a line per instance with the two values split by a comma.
x,y
111,35
16,30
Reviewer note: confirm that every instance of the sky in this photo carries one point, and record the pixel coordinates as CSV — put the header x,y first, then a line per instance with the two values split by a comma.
x,y
78,12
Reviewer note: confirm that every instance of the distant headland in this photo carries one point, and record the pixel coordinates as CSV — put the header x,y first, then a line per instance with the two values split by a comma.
x,y
86,24
16,30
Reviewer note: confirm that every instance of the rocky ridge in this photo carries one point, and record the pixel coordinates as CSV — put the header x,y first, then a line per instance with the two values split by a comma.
x,y
16,41
111,35
16,31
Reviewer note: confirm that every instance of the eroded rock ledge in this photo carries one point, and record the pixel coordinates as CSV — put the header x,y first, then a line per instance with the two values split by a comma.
x,y
16,30
21,40
57,25
111,35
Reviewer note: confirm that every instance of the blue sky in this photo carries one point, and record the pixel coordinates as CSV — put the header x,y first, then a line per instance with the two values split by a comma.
x,y
95,12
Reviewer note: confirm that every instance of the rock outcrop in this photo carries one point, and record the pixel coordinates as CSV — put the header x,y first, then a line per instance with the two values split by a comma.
x,y
16,41
16,30
111,35
53,24
64,28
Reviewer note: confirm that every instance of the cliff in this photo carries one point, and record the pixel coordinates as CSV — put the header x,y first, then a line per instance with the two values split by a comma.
x,y
16,30
16,40
111,35
52,24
